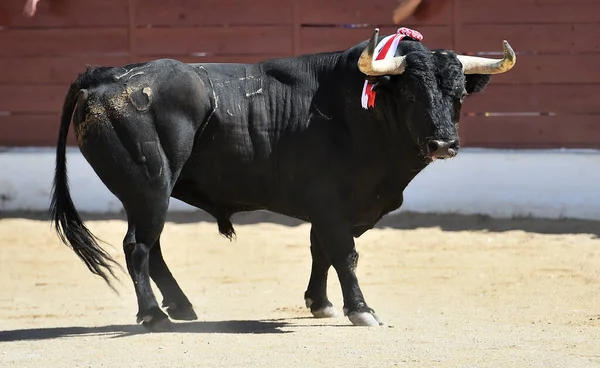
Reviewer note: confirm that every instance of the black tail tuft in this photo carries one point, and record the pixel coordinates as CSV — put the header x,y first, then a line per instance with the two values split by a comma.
x,y
226,228
67,222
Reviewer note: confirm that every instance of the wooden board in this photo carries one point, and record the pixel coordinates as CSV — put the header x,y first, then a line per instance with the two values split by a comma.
x,y
64,70
557,98
365,12
501,132
529,11
244,59
177,13
32,130
323,39
23,98
49,70
215,40
527,38
65,13
61,42
564,68
570,131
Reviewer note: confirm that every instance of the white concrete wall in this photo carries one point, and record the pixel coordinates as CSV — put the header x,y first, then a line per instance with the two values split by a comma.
x,y
500,183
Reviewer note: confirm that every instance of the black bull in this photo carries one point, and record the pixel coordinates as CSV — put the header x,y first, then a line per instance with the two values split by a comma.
x,y
287,135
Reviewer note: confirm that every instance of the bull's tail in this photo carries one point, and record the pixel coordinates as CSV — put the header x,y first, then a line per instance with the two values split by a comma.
x,y
67,222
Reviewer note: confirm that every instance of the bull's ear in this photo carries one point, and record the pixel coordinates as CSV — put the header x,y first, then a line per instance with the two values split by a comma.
x,y
476,82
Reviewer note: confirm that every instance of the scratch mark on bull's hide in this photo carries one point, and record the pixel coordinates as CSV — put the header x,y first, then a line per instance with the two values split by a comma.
x,y
241,79
215,101
252,85
257,92
117,77
250,78
320,113
133,75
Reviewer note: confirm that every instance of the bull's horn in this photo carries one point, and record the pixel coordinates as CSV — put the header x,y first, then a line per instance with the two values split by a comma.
x,y
375,68
481,65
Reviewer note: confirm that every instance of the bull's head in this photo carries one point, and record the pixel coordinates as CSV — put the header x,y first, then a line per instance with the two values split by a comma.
x,y
426,89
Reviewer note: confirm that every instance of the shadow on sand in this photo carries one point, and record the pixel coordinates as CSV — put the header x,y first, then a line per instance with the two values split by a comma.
x,y
401,221
116,331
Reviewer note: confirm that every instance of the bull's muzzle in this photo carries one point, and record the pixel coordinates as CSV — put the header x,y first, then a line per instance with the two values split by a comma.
x,y
441,149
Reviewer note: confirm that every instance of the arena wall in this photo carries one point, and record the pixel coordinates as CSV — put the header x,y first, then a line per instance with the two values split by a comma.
x,y
529,139
498,183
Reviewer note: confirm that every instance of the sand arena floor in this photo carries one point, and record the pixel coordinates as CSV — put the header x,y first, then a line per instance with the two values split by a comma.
x,y
455,291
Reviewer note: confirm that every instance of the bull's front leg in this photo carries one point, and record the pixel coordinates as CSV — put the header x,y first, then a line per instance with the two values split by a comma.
x,y
334,234
316,293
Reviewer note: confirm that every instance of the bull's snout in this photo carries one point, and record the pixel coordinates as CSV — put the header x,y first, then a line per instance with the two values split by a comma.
x,y
442,149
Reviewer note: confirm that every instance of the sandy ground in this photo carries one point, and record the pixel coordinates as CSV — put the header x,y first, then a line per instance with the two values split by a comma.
x,y
455,292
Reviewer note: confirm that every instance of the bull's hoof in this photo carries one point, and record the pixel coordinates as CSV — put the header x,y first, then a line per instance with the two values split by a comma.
x,y
323,309
161,325
182,313
365,317
154,320
325,312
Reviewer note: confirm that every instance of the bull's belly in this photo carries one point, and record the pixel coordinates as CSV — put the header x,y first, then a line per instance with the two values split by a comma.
x,y
239,188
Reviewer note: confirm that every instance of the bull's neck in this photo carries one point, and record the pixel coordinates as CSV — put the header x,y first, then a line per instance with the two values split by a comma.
x,y
387,147
380,137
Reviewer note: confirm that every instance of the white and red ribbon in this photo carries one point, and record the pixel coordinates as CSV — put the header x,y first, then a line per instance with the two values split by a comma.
x,y
386,49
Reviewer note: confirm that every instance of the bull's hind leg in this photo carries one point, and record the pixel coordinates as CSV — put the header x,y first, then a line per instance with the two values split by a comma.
x,y
146,219
316,292
177,304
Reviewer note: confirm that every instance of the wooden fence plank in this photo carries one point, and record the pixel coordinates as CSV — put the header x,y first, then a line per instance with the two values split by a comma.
x,y
61,42
23,98
49,70
495,132
64,70
215,40
177,13
529,11
38,130
243,59
524,38
65,13
323,39
565,68
557,98
570,98
365,12
575,131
